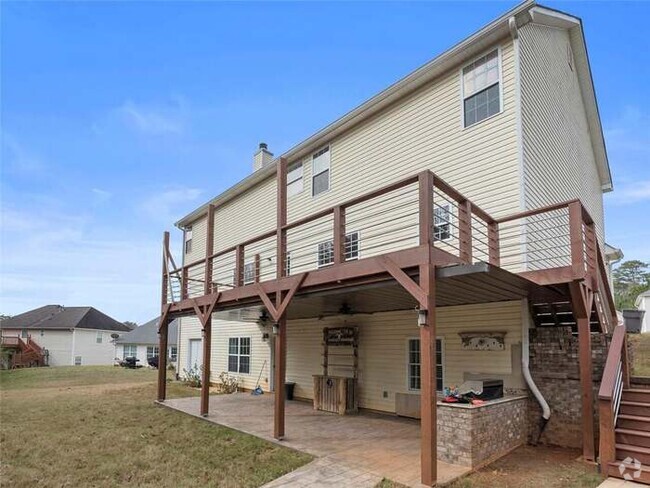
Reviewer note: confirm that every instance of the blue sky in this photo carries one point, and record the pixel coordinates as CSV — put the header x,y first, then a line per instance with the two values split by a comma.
x,y
118,118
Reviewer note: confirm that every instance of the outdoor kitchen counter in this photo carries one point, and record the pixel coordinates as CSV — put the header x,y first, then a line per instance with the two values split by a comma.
x,y
475,435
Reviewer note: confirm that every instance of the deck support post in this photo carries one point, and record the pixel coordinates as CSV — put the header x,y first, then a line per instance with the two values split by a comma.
x,y
205,373
163,332
582,302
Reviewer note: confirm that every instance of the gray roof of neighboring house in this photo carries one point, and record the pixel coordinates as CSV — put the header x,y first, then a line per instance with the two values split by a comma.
x,y
60,317
148,333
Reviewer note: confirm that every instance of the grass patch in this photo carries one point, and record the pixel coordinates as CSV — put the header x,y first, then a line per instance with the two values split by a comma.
x,y
641,345
89,426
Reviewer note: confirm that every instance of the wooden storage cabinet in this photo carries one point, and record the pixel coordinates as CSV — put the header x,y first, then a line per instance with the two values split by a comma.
x,y
336,394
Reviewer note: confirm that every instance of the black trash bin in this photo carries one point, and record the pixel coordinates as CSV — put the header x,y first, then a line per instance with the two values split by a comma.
x,y
288,390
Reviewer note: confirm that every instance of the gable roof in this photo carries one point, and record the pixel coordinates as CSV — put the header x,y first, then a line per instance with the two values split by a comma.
x,y
148,334
458,54
59,317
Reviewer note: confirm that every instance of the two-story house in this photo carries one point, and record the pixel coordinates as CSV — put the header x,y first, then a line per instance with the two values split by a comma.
x,y
424,241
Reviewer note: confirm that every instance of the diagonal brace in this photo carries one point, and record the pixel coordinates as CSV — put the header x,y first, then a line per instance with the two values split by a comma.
x,y
405,280
278,313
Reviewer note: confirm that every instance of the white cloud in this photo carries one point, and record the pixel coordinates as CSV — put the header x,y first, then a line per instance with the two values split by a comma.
x,y
19,159
167,206
630,193
101,196
154,119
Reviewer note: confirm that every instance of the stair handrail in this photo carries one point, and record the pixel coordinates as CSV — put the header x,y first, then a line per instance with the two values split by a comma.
x,y
615,378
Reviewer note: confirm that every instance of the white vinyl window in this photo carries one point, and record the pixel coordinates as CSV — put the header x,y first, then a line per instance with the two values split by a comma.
x,y
249,273
173,353
294,179
239,355
188,240
152,351
326,249
481,88
320,179
100,337
442,222
414,365
130,351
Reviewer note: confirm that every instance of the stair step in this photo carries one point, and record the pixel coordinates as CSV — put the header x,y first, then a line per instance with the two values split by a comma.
x,y
633,422
636,395
635,408
639,476
624,451
633,437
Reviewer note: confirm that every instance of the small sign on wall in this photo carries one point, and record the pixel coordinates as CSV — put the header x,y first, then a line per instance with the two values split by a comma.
x,y
483,341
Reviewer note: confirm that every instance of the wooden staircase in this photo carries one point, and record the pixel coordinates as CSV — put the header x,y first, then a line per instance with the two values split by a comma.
x,y
624,418
26,354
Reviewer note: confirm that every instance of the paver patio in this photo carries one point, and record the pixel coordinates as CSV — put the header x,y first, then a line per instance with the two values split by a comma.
x,y
354,450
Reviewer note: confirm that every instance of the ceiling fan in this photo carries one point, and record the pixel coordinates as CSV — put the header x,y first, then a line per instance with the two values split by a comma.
x,y
344,309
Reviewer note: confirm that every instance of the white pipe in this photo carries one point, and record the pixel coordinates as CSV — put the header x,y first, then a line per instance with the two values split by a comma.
x,y
525,359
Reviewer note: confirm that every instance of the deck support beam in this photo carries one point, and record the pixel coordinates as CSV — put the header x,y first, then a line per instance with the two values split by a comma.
x,y
582,302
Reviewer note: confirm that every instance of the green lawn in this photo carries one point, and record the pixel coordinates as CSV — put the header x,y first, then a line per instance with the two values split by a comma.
x,y
98,426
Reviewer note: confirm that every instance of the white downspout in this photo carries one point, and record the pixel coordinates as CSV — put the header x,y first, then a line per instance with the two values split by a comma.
x,y
525,360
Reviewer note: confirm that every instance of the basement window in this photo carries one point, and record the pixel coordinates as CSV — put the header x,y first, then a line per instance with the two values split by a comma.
x,y
414,365
481,89
239,355
320,179
188,240
294,179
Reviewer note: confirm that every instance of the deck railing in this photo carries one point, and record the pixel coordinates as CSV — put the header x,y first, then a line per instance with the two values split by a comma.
x,y
615,379
559,237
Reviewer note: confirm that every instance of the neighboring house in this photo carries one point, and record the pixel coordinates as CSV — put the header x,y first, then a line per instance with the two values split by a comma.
x,y
142,342
453,220
642,302
71,335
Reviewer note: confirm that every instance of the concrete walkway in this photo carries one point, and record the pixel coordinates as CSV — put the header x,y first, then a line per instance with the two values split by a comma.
x,y
352,451
619,483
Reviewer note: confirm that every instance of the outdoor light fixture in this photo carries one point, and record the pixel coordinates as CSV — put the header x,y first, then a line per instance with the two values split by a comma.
x,y
422,318
276,329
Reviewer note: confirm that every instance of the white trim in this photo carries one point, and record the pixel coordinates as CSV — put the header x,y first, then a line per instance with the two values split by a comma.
x,y
442,359
462,87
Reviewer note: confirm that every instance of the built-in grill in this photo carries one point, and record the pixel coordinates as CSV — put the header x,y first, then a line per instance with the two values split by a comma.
x,y
492,389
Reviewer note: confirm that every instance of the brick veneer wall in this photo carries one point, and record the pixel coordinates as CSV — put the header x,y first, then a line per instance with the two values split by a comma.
x,y
476,436
555,369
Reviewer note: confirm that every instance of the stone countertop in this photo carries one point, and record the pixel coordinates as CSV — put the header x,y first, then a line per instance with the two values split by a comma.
x,y
488,403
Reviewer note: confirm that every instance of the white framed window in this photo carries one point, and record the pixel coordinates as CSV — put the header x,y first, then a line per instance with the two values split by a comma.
x,y
77,360
414,377
100,337
481,88
249,273
442,222
294,179
129,351
188,240
320,172
239,355
326,249
24,334
173,353
152,351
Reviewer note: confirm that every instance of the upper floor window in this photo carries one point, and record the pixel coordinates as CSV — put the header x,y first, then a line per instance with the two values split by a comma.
x,y
188,240
294,179
249,273
100,337
320,179
481,88
24,334
442,222
326,249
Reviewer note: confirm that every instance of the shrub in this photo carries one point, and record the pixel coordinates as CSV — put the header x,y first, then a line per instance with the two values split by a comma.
x,y
227,383
192,377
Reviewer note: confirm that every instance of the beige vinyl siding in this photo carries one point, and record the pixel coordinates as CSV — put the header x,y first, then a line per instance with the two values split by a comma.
x,y
190,328
425,131
383,349
559,161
